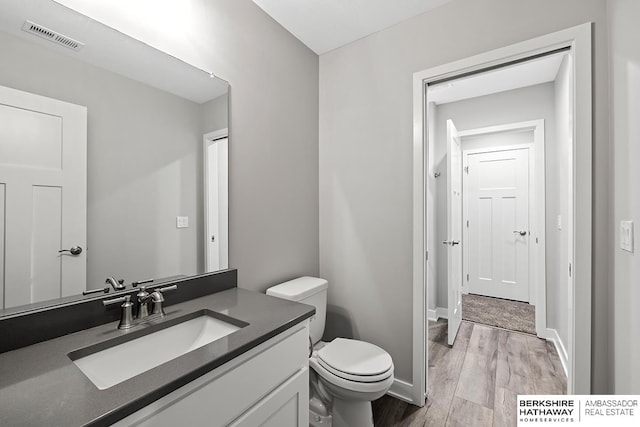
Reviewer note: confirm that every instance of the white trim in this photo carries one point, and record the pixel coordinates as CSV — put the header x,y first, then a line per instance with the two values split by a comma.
x,y
420,303
438,313
578,39
552,335
580,243
537,225
208,139
401,390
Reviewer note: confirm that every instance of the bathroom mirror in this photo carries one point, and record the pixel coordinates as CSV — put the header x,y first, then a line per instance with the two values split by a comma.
x,y
156,159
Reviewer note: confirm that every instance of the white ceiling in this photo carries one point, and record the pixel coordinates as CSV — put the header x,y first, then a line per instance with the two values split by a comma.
x,y
536,71
110,49
324,25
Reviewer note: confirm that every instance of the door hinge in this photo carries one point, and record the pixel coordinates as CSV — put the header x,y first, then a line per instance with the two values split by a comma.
x,y
466,169
426,255
467,223
569,269
467,277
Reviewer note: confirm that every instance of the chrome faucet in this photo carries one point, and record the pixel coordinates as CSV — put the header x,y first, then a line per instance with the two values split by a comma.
x,y
143,302
126,316
156,297
117,285
143,297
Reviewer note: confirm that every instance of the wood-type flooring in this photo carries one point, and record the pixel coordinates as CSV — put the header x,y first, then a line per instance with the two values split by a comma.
x,y
476,381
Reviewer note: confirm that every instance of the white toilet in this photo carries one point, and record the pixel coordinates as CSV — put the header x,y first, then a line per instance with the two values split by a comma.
x,y
346,375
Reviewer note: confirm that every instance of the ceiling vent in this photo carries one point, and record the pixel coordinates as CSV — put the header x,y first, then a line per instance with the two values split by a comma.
x,y
52,36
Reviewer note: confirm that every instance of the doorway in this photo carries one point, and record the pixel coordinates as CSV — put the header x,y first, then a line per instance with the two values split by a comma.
x,y
492,221
216,200
576,41
504,202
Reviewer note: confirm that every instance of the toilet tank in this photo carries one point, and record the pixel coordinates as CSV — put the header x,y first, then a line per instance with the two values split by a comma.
x,y
307,290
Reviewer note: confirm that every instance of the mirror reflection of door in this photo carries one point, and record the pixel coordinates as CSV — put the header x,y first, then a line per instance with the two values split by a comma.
x,y
43,193
216,200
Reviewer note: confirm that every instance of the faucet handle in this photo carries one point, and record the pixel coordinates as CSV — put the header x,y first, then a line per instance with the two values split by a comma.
x,y
158,298
124,299
141,282
168,288
126,316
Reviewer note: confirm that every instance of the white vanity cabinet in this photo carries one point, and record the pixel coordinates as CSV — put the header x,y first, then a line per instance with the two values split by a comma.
x,y
266,386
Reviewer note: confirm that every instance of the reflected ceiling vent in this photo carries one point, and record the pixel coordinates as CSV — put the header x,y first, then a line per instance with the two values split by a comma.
x,y
52,36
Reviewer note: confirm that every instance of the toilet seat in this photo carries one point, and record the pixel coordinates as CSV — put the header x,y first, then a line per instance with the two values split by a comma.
x,y
354,386
355,360
353,365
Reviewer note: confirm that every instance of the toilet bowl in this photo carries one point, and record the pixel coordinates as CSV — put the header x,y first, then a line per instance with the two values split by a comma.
x,y
346,374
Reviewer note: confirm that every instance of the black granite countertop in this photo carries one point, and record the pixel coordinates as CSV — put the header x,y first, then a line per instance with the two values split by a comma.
x,y
40,385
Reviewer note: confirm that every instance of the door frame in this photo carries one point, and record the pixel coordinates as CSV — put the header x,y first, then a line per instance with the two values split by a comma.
x,y
578,40
537,217
223,187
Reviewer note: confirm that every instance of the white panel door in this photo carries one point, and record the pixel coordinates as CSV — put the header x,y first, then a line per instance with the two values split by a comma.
x,y
213,214
498,203
454,231
216,203
43,174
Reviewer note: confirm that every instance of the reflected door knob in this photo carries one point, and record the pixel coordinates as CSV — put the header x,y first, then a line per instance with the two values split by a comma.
x,y
520,232
76,250
451,242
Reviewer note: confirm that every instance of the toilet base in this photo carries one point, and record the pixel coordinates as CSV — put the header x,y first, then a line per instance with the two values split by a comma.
x,y
352,413
318,420
319,415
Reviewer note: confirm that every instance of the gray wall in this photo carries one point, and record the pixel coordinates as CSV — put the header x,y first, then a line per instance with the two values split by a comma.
x,y
625,111
215,114
366,159
273,128
143,161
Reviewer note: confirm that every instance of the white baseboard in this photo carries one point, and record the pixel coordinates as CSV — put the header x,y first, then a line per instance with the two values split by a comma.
x,y
552,335
438,313
401,390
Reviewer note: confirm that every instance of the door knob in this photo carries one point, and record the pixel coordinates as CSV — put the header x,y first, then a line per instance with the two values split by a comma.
x,y
520,232
450,242
76,250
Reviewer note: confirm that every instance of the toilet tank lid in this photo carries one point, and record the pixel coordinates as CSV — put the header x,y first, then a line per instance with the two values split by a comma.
x,y
298,289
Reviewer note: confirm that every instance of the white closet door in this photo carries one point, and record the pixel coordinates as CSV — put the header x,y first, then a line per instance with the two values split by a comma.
x,y
499,224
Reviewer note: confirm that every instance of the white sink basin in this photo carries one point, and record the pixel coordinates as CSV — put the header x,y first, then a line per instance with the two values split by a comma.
x,y
111,366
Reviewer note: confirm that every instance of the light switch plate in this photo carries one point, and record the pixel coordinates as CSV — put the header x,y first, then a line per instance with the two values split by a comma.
x,y
182,222
626,235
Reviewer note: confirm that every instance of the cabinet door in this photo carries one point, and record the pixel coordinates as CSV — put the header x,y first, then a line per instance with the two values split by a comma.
x,y
286,406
